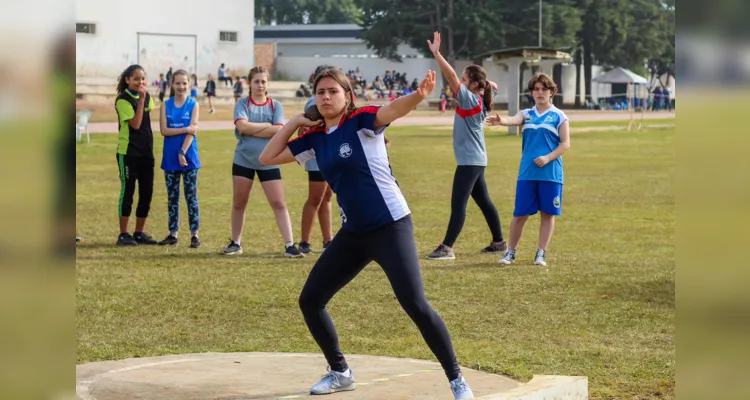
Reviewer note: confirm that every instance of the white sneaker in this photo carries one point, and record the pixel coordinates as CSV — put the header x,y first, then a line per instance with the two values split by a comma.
x,y
334,382
509,257
539,259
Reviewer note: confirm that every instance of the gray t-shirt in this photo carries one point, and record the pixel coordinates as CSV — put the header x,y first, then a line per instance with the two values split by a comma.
x,y
468,128
249,147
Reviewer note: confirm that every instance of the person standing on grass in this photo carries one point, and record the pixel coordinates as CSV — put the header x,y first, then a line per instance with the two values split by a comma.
x,y
349,146
319,193
546,136
257,118
179,124
162,88
194,87
210,92
474,95
237,90
135,153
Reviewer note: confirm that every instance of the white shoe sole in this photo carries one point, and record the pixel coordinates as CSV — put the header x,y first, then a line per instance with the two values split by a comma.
x,y
341,389
293,256
236,253
505,262
540,262
441,258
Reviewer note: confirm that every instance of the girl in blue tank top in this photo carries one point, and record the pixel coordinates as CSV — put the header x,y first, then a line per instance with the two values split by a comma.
x,y
179,125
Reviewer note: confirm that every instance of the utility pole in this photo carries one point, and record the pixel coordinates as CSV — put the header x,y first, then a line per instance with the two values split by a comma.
x,y
540,23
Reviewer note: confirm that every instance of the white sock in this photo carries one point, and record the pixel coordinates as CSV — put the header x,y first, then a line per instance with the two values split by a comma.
x,y
347,373
173,233
287,244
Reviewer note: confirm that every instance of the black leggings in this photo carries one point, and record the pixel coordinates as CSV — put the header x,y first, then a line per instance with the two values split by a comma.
x,y
469,181
134,169
393,247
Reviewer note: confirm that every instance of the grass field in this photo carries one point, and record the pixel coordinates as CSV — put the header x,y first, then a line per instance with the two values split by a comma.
x,y
604,307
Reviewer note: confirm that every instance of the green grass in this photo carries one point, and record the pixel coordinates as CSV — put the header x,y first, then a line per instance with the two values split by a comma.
x,y
646,122
604,307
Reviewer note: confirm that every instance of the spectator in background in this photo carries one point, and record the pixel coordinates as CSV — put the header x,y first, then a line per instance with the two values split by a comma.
x,y
163,83
303,92
223,75
667,94
415,85
657,99
210,92
194,86
379,86
169,75
237,89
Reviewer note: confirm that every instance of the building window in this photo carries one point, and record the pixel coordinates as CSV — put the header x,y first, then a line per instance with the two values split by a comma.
x,y
85,27
225,36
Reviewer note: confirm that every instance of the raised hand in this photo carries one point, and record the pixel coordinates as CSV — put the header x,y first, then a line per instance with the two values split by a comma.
x,y
428,83
435,44
494,120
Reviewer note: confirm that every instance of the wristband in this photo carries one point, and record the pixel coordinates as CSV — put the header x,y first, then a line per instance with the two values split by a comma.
x,y
181,152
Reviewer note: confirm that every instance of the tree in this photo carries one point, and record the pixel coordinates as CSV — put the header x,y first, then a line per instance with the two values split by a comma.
x,y
282,12
468,27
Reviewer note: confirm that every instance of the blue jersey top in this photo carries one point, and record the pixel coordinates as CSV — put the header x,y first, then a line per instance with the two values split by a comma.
x,y
540,137
468,128
311,164
352,158
179,117
249,147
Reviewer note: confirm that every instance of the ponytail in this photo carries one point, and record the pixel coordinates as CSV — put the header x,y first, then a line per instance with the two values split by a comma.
x,y
487,98
477,74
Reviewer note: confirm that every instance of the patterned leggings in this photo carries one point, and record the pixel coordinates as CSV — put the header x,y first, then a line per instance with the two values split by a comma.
x,y
190,179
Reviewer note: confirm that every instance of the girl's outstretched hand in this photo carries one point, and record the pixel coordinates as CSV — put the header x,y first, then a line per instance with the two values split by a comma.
x,y
428,84
435,44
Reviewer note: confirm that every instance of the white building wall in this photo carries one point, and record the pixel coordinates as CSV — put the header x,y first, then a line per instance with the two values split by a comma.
x,y
163,33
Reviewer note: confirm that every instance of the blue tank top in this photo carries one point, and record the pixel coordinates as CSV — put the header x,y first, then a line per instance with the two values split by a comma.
x,y
179,118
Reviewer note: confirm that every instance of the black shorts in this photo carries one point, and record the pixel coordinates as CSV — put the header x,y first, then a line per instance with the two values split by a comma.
x,y
315,176
263,174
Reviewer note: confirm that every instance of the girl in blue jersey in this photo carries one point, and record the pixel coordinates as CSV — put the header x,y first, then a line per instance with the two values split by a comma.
x,y
546,136
349,146
474,95
257,118
179,125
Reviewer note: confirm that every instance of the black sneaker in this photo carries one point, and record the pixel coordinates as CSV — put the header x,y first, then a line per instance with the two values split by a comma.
x,y
195,242
496,248
126,240
233,249
326,244
168,241
293,252
305,248
144,238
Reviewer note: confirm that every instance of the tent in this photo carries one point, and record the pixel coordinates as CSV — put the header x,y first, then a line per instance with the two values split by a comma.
x,y
621,75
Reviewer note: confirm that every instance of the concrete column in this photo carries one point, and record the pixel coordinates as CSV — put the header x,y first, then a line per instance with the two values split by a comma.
x,y
514,91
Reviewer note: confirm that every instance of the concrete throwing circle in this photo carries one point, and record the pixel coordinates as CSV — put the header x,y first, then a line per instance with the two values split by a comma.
x,y
246,376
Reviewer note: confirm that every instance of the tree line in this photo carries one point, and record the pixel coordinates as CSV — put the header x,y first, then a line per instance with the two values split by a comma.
x,y
635,34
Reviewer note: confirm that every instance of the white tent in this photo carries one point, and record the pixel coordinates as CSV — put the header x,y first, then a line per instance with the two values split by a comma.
x,y
621,75
626,76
